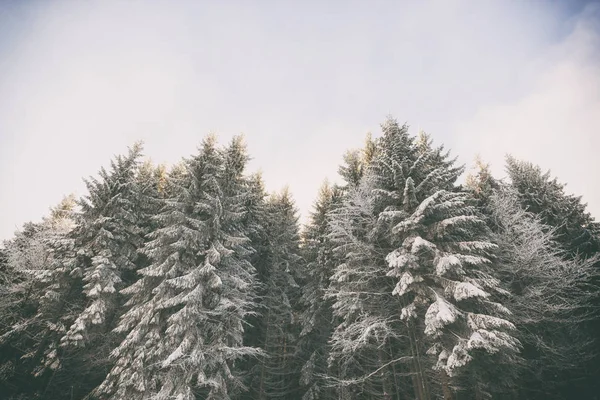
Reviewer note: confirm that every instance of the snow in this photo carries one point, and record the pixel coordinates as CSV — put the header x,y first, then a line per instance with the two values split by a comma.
x,y
465,290
403,285
446,263
439,314
397,260
458,220
458,358
482,321
421,245
408,312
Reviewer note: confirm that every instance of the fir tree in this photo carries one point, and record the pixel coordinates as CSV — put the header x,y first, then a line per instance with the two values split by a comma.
x,y
437,252
316,316
548,300
41,298
109,237
573,228
444,278
352,169
184,328
275,375
540,194
359,353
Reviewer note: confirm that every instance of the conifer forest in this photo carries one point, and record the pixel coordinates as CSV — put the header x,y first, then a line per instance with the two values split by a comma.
x,y
407,281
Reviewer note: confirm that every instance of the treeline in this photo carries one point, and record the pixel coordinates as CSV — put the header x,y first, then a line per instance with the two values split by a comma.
x,y
191,282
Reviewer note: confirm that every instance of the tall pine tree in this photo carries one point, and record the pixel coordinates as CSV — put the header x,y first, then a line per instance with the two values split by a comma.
x,y
185,325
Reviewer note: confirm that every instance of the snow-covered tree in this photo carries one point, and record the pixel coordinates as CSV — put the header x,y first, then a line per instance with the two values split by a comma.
x,y
360,360
109,237
443,273
276,328
549,299
42,299
539,193
480,183
576,232
316,311
185,323
365,346
417,272
352,168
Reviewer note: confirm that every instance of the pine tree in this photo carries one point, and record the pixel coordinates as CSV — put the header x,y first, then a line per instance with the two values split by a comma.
x,y
109,238
18,308
41,299
255,220
352,169
277,326
437,252
361,343
185,323
575,228
363,354
316,315
548,300
361,295
442,266
480,183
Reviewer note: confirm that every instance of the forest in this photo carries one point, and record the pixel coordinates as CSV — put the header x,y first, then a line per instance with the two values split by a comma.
x,y
190,281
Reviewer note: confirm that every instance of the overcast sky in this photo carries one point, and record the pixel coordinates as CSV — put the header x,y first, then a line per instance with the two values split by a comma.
x,y
304,80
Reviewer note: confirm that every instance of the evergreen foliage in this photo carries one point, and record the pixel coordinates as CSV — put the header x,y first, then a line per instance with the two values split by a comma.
x,y
316,310
189,282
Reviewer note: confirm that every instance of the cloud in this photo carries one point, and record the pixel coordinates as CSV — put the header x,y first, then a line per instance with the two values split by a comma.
x,y
305,81
557,123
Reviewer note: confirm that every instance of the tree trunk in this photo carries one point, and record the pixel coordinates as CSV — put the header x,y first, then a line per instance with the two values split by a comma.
x,y
396,384
382,361
446,388
416,376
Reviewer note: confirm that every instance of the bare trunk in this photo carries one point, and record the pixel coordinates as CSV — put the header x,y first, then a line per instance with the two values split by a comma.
x,y
446,387
382,361
421,379
416,376
478,394
396,384
261,386
283,364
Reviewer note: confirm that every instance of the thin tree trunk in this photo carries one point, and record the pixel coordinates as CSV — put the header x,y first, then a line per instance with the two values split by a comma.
x,y
446,388
261,386
478,394
396,384
416,375
423,388
283,363
382,361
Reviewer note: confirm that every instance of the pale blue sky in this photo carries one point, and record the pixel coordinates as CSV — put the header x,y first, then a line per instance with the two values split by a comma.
x,y
304,80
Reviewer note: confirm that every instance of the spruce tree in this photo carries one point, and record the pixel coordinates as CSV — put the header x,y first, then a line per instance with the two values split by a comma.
x,y
435,271
317,314
185,323
540,194
365,355
576,232
361,295
445,280
277,327
109,237
42,299
548,299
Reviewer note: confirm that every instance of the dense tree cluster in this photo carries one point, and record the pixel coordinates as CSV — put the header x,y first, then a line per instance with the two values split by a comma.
x,y
191,282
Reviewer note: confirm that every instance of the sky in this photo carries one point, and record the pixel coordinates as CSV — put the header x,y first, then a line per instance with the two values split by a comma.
x,y
304,81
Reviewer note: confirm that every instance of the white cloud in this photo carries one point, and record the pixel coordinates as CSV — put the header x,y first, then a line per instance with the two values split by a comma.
x,y
557,123
305,81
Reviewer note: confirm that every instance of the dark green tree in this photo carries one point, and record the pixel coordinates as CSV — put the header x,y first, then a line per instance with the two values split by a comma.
x,y
316,318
